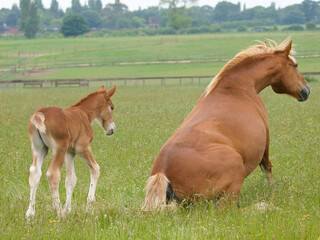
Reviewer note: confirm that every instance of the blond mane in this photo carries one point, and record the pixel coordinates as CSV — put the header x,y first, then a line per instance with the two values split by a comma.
x,y
83,99
262,48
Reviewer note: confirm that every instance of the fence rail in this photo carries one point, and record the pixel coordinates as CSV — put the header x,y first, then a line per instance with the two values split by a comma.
x,y
52,83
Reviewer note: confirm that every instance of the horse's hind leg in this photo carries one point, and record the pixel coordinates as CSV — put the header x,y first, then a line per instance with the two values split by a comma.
x,y
53,175
39,152
71,180
266,166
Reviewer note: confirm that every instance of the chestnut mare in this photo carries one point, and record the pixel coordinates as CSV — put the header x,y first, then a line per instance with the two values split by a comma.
x,y
68,132
226,135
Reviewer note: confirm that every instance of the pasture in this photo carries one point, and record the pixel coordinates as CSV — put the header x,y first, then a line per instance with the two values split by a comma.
x,y
145,117
114,57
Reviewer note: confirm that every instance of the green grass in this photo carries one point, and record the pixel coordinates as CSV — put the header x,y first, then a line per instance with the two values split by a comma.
x,y
57,53
146,117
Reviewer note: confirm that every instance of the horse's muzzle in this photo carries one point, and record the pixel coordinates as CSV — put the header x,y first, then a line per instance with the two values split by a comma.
x,y
304,94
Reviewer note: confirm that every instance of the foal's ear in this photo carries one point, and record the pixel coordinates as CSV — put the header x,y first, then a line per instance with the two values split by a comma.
x,y
111,91
288,48
101,89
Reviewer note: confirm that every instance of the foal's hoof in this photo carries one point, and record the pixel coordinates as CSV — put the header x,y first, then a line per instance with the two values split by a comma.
x,y
90,208
30,214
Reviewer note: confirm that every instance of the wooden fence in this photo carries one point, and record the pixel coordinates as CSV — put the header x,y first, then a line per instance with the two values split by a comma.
x,y
53,83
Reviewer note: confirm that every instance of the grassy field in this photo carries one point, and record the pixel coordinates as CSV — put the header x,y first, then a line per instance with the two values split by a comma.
x,y
54,55
145,118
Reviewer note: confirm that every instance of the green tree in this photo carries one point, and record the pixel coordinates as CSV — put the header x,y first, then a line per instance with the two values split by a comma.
x,y
311,10
98,5
91,4
177,13
178,19
93,18
294,16
226,11
12,18
54,8
138,22
39,4
311,26
76,6
114,11
29,21
24,9
74,25
32,23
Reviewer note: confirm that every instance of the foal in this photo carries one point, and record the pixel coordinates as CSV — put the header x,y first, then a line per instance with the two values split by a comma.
x,y
68,132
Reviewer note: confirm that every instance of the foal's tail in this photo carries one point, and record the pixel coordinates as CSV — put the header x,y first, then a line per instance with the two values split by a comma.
x,y
156,192
37,119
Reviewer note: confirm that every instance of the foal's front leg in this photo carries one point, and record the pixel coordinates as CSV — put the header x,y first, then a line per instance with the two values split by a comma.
x,y
86,154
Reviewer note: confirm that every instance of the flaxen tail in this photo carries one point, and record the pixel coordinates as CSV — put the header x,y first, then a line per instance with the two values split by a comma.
x,y
156,191
37,119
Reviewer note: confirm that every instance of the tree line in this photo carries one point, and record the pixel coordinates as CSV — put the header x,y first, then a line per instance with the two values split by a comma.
x,y
31,15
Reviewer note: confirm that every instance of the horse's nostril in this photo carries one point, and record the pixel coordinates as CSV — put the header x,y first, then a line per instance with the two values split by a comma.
x,y
304,94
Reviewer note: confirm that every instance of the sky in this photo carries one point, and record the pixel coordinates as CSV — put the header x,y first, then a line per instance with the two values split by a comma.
x,y
135,4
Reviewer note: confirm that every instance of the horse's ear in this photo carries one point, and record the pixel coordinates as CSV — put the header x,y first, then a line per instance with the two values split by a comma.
x,y
111,91
287,50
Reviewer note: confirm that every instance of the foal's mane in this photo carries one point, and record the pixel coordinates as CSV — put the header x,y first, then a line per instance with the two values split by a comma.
x,y
84,99
262,48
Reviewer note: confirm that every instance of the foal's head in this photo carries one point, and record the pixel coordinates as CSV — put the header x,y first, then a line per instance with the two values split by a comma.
x,y
288,79
104,115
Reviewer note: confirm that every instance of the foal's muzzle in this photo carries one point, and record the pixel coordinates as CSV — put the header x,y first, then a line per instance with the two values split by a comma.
x,y
111,129
304,94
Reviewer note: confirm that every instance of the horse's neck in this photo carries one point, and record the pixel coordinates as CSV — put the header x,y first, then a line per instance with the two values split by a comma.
x,y
253,77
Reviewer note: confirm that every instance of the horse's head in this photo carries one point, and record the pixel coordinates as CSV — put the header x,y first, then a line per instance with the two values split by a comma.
x,y
105,115
288,79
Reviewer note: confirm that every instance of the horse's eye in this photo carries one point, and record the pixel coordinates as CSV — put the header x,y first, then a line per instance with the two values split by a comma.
x,y
296,65
112,108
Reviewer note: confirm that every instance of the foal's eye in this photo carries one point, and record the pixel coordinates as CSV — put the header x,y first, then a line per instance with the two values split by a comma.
x,y
295,65
112,108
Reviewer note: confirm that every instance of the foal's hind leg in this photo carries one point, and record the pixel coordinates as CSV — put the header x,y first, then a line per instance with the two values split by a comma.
x,y
86,154
71,180
53,175
39,152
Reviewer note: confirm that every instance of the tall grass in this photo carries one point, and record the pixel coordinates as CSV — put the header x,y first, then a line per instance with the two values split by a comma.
x,y
146,116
